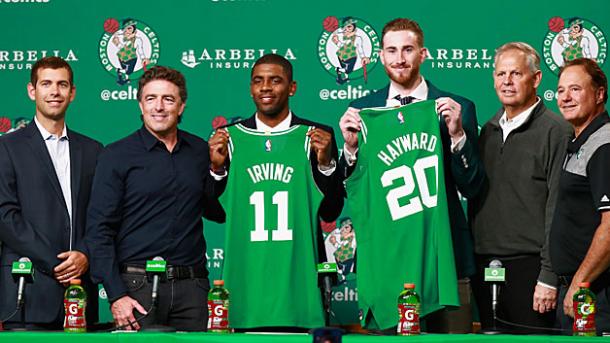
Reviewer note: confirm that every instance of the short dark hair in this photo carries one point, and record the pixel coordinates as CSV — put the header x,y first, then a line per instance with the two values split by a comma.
x,y
163,73
50,62
592,68
404,24
277,60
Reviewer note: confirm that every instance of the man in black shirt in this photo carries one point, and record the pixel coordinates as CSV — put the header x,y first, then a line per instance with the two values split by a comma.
x,y
150,191
580,233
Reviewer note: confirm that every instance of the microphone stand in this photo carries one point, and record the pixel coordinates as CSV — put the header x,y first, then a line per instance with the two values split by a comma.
x,y
494,330
327,274
156,327
156,268
496,271
328,293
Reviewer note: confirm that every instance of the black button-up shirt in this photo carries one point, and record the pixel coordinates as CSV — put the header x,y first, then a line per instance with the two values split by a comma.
x,y
148,202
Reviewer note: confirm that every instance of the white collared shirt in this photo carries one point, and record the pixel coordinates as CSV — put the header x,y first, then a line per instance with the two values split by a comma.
x,y
420,93
59,151
283,125
509,125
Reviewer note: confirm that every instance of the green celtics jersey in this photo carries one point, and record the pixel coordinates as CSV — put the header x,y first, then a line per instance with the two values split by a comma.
x,y
397,198
271,201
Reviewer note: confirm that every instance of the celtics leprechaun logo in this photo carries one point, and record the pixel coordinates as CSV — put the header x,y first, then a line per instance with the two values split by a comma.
x,y
128,48
340,243
348,51
572,38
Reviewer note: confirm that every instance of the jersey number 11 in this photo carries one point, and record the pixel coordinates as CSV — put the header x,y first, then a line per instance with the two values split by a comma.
x,y
260,234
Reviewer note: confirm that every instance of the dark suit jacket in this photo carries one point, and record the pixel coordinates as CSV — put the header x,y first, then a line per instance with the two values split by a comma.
x,y
34,221
331,186
463,171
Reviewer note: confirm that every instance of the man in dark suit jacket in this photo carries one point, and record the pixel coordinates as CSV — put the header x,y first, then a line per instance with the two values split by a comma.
x,y
46,172
271,86
273,113
402,54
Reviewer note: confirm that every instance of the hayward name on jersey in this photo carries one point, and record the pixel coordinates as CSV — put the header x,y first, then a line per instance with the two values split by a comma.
x,y
405,143
399,209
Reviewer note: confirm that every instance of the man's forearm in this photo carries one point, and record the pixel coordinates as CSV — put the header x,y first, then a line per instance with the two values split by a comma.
x,y
597,259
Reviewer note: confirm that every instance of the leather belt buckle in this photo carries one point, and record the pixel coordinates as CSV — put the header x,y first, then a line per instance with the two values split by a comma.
x,y
131,269
171,272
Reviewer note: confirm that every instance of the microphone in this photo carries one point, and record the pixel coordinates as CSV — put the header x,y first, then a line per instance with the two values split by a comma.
x,y
494,274
156,267
22,272
327,278
495,267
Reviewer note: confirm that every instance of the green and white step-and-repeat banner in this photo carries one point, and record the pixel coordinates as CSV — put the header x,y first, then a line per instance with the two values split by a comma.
x,y
215,43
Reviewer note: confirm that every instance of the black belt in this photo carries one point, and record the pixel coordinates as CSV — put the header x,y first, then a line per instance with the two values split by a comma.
x,y
172,272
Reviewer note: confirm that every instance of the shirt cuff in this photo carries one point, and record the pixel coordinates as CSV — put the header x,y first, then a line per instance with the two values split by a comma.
x,y
349,157
218,177
329,169
458,144
540,283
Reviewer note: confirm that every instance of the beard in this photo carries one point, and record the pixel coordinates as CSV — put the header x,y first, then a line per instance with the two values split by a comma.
x,y
407,78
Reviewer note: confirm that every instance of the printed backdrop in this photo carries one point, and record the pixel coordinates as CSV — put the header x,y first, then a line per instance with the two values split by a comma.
x,y
215,43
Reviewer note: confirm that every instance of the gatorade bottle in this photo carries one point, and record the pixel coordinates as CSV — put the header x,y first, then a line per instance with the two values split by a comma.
x,y
408,311
218,308
75,303
584,311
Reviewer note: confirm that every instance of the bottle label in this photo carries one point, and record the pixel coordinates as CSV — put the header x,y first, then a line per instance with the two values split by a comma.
x,y
218,315
408,323
584,317
75,314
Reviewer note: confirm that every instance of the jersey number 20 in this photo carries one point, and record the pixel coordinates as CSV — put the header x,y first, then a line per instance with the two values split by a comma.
x,y
414,204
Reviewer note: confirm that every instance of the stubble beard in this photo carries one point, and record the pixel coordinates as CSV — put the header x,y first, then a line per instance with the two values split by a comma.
x,y
406,80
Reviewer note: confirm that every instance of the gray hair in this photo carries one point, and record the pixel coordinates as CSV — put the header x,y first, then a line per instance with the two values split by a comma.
x,y
533,58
